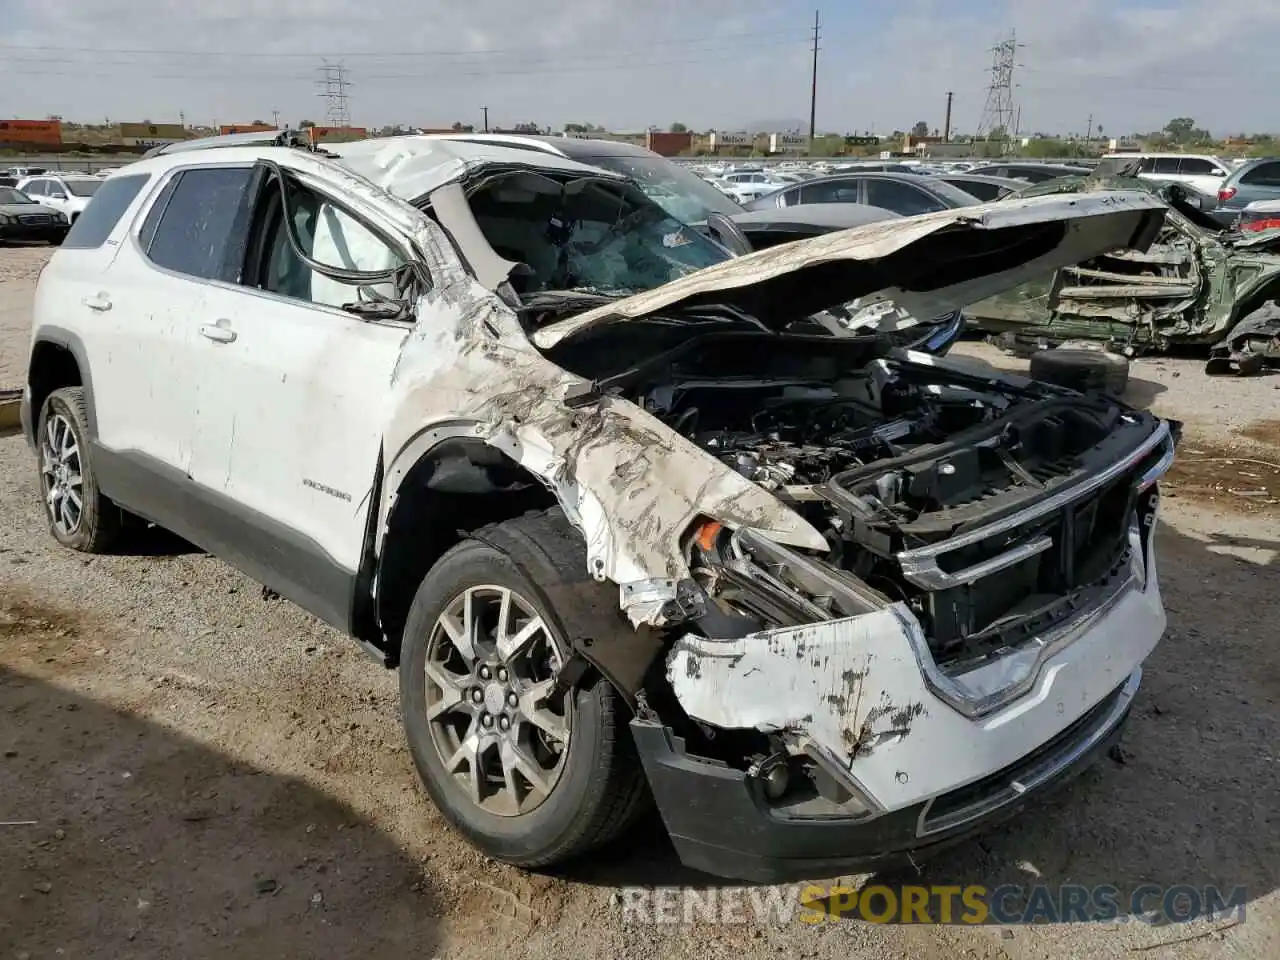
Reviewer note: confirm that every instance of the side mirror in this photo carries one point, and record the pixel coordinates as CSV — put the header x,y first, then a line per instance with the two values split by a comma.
x,y
729,234
57,195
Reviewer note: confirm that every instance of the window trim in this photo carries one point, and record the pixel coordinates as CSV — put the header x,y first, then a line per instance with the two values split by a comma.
x,y
919,190
255,248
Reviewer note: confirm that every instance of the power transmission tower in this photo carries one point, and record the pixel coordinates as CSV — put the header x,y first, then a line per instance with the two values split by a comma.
x,y
813,90
999,111
333,88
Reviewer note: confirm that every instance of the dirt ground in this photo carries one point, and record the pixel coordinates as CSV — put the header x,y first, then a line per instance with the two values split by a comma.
x,y
189,769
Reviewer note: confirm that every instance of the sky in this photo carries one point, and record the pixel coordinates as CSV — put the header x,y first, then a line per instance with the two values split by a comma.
x,y
1116,65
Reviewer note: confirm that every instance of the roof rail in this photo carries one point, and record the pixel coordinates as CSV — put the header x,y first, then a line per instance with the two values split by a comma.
x,y
258,138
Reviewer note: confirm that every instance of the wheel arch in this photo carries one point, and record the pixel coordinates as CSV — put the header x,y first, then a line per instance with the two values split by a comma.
x,y
58,359
443,485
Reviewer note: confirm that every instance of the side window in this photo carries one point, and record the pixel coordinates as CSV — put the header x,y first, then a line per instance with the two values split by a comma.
x,y
1263,175
1147,165
54,188
1166,165
832,191
901,198
100,217
191,228
35,188
790,198
330,236
1197,166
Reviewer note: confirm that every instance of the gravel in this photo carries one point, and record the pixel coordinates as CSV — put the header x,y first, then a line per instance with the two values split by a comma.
x,y
213,772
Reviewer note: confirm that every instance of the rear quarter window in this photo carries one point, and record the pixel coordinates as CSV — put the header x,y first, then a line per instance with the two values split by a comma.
x,y
103,212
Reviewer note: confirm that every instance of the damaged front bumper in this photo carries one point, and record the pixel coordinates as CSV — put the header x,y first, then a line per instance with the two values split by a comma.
x,y
919,758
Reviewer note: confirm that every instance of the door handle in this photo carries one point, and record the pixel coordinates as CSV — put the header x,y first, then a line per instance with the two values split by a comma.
x,y
98,301
219,332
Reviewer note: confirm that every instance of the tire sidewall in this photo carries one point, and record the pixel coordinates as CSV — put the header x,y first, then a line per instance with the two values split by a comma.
x,y
530,835
58,403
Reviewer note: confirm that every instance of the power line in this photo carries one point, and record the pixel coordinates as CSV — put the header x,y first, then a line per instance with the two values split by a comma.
x,y
648,45
553,68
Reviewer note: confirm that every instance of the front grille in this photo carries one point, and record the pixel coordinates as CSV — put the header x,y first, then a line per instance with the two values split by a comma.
x,y
35,219
1037,768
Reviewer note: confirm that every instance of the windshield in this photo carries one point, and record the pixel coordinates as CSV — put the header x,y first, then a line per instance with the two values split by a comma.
x,y
683,194
9,195
83,188
597,236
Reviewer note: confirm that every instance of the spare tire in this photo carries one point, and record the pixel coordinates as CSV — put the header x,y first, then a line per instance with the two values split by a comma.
x,y
1082,369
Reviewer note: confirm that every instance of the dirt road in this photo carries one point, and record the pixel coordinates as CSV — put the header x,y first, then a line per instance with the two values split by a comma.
x,y
214,773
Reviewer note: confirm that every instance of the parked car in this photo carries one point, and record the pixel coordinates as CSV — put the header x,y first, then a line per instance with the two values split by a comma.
x,y
1247,183
618,510
21,218
65,193
1260,215
903,193
982,187
1030,172
1198,284
1203,171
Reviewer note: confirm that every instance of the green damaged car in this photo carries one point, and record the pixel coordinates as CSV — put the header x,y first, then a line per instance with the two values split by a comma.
x,y
1198,285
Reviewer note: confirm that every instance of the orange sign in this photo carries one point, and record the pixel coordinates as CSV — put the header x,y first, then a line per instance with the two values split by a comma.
x,y
39,132
226,129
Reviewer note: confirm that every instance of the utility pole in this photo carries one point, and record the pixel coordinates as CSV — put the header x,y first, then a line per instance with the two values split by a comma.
x,y
486,119
275,119
1088,137
813,90
946,125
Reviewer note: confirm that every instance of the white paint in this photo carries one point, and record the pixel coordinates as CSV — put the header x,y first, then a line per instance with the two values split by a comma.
x,y
840,683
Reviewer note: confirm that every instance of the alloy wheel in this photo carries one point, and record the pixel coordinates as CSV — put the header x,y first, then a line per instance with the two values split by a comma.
x,y
62,478
490,673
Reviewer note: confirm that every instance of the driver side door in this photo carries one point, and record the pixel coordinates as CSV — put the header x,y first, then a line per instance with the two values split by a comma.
x,y
294,440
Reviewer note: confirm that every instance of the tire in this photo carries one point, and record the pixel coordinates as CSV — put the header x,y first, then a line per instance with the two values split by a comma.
x,y
1082,369
99,521
600,788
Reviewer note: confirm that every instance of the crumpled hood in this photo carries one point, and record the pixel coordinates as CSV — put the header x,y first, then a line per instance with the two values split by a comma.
x,y
927,265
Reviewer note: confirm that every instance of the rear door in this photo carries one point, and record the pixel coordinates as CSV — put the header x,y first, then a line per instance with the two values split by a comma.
x,y
293,442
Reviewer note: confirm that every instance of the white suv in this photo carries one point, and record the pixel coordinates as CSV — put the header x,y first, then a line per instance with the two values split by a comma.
x,y
1201,172
69,194
574,469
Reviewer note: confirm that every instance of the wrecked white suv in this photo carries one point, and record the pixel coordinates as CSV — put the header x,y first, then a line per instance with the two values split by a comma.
x,y
630,522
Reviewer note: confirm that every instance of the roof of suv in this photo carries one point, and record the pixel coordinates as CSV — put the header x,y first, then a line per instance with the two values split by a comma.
x,y
409,166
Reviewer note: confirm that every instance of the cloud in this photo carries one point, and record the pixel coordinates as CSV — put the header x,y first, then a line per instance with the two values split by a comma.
x,y
1131,64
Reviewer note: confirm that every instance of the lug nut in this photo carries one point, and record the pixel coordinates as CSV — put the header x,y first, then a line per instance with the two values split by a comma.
x,y
477,696
504,723
484,673
502,674
513,700
486,720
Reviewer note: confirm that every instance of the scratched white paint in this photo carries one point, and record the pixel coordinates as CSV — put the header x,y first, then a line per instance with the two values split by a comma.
x,y
848,684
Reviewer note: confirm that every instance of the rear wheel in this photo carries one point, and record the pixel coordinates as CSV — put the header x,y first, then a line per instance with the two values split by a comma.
x,y
531,777
79,516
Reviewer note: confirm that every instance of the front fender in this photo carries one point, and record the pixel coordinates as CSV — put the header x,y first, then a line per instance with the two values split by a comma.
x,y
631,484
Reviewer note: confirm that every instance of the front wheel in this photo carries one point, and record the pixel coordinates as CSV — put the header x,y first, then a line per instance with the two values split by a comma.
x,y
530,777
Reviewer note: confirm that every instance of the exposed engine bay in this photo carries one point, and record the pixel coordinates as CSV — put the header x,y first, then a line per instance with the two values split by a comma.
x,y
902,465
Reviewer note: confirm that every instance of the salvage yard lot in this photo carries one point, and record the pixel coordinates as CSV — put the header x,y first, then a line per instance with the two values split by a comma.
x,y
213,772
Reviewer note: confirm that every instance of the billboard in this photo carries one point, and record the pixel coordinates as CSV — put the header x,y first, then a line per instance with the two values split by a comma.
x,y
151,134
227,129
337,134
781,142
867,141
47,133
719,140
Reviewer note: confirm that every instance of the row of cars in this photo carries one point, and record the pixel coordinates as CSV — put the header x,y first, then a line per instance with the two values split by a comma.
x,y
42,205
638,514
